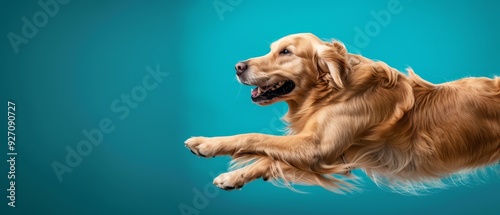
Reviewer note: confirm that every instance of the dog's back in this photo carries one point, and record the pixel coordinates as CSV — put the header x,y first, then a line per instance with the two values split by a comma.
x,y
452,126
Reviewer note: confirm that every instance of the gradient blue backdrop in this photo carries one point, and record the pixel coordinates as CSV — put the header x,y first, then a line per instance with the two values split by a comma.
x,y
91,52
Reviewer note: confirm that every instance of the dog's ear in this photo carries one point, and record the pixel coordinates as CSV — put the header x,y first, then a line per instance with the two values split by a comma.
x,y
332,58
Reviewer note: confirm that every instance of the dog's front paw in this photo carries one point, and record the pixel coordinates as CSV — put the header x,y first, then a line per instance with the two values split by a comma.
x,y
203,146
230,181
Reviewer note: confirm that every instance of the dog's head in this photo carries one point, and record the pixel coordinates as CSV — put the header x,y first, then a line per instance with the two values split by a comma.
x,y
295,65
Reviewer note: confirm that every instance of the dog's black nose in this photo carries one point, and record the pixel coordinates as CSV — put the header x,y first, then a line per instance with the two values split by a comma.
x,y
240,68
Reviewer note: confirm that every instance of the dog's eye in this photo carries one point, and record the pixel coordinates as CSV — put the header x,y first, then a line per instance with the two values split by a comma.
x,y
285,51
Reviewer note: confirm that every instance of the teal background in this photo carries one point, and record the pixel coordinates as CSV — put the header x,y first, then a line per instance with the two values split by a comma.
x,y
66,77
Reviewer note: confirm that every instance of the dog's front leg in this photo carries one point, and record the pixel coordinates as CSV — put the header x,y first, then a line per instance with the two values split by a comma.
x,y
229,145
312,150
300,151
260,167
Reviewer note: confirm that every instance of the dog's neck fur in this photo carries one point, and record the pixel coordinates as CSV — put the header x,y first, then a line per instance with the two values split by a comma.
x,y
308,103
301,109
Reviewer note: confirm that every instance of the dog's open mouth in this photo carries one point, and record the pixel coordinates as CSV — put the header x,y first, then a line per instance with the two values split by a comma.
x,y
269,92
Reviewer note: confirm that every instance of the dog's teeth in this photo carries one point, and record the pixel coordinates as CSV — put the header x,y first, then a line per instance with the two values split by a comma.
x,y
278,84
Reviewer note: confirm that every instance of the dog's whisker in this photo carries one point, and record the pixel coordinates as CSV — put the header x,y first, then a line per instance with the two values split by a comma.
x,y
239,91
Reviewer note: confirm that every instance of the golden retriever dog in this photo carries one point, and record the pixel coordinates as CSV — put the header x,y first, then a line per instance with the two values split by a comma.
x,y
349,112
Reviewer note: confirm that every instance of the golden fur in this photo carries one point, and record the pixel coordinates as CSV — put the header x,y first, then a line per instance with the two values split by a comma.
x,y
400,129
